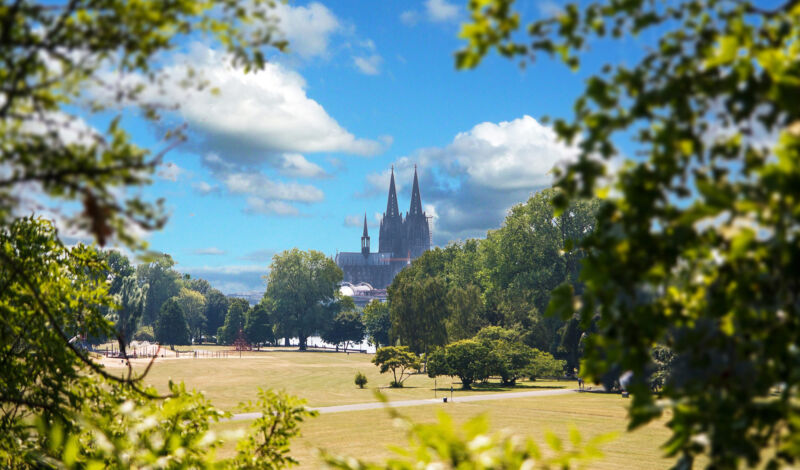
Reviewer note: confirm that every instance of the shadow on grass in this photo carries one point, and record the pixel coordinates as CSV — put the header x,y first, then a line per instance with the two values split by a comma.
x,y
498,387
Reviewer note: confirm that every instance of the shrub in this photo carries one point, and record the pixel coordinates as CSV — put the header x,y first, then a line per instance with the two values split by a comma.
x,y
360,380
399,360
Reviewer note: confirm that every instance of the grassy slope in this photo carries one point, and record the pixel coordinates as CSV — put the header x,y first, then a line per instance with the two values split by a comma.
x,y
324,379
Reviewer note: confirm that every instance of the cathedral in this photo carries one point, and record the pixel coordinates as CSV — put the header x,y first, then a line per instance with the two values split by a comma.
x,y
401,240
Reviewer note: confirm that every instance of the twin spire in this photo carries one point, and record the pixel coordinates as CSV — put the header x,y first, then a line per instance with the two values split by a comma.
x,y
391,204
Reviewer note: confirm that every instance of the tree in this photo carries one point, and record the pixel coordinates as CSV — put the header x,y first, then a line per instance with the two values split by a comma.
x,y
302,286
694,246
216,309
193,305
234,321
466,359
198,285
171,327
377,322
398,359
162,283
257,325
464,307
346,327
130,300
418,310
545,365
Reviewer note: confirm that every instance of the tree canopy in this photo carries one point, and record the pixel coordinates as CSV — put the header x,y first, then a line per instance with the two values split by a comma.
x,y
302,288
695,245
171,327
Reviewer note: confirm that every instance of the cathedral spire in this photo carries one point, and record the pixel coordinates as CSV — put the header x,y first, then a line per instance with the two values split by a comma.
x,y
391,204
365,238
416,200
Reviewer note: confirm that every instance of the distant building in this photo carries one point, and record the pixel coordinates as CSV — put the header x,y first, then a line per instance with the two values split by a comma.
x,y
401,240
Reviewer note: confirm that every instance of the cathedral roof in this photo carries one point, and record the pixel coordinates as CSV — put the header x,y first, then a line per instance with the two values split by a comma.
x,y
349,258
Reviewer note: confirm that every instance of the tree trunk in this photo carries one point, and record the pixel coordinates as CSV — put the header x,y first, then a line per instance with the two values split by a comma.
x,y
286,341
302,341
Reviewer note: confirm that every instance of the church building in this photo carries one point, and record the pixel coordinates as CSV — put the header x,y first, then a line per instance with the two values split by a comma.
x,y
401,240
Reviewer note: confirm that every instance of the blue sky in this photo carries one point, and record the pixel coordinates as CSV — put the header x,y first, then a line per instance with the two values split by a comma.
x,y
293,156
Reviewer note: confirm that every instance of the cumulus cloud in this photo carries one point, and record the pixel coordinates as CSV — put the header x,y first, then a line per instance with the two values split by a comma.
x,y
469,185
307,28
296,165
369,65
441,10
210,251
231,279
261,116
258,185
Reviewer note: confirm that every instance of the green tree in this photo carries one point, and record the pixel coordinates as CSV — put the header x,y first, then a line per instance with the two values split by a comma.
x,y
234,321
695,246
466,359
171,327
377,322
130,301
216,309
347,327
162,283
464,312
193,305
399,360
198,285
418,309
258,326
302,286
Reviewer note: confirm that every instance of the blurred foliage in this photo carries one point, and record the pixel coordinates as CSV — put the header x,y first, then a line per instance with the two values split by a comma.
x,y
696,243
63,62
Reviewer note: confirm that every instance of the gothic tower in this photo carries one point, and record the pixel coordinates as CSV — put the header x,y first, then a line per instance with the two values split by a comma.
x,y
391,234
417,232
365,238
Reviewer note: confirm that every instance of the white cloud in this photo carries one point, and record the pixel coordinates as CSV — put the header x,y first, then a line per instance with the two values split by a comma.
x,y
441,10
231,279
211,251
257,205
170,171
258,185
369,65
307,28
409,18
296,165
205,188
468,185
259,115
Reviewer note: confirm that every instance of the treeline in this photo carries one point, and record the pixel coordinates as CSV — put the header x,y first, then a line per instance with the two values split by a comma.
x,y
505,280
157,303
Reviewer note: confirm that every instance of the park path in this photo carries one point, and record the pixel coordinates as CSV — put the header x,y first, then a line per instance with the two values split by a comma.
x,y
426,401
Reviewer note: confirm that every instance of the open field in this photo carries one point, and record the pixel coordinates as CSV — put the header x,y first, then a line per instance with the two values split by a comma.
x,y
322,378
366,434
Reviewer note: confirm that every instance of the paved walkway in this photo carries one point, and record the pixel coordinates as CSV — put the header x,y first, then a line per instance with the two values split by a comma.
x,y
427,401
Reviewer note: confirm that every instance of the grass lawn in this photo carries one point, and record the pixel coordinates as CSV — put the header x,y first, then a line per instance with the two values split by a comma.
x,y
366,434
322,378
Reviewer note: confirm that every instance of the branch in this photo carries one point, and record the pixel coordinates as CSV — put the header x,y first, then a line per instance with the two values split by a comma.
x,y
54,324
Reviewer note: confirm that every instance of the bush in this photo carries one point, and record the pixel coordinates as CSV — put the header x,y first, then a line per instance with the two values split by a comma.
x,y
144,333
361,380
